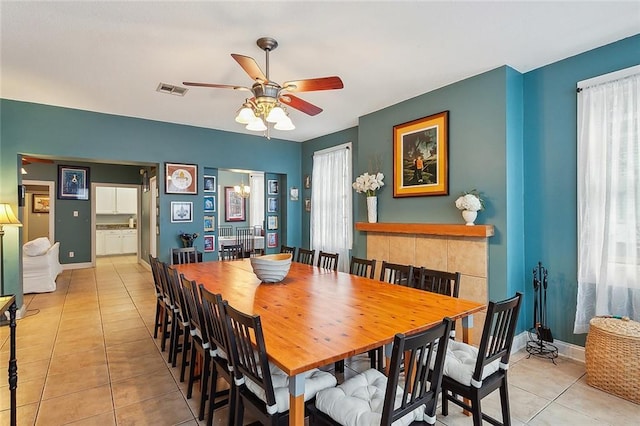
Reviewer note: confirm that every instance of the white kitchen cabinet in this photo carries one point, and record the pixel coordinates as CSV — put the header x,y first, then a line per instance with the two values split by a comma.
x,y
100,246
116,241
116,200
129,241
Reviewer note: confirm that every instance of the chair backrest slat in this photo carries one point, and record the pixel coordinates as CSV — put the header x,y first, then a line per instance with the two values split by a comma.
x,y
244,237
214,318
441,282
231,252
182,255
362,267
288,249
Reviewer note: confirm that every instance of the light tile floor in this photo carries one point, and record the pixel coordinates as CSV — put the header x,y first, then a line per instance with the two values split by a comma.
x,y
86,356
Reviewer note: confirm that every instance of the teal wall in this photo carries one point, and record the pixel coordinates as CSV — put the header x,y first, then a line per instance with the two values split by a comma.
x,y
477,159
84,136
550,109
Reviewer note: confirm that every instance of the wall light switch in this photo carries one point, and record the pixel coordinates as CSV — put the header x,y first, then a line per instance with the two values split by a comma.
x,y
75,213
71,254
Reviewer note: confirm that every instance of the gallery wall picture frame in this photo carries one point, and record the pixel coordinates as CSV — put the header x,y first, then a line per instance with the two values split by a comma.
x,y
234,206
272,239
421,157
73,183
307,181
273,187
41,203
181,211
307,204
272,223
209,243
209,203
209,223
294,193
209,184
181,178
272,205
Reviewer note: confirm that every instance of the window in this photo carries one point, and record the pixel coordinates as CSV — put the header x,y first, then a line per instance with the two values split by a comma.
x,y
609,199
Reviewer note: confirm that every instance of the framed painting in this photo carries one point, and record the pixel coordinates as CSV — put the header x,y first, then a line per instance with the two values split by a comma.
x,y
209,243
181,178
40,203
307,204
209,184
307,181
209,203
421,157
73,183
272,239
181,211
294,193
234,205
272,187
272,222
272,205
209,223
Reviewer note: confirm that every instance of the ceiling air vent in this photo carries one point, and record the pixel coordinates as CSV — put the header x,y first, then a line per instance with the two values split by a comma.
x,y
170,89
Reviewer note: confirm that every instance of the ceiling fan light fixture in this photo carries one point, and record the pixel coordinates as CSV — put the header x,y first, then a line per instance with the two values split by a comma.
x,y
245,115
257,125
284,124
276,115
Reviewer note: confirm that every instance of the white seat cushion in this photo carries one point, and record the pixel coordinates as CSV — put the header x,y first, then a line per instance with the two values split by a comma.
x,y
359,401
461,361
314,381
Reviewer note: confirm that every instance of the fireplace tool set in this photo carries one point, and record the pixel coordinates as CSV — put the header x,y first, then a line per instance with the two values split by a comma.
x,y
540,336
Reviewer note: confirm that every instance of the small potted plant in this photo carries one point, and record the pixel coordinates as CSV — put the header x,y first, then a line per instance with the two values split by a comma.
x,y
470,203
187,239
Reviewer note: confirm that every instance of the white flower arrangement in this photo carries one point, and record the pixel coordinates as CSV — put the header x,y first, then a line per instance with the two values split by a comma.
x,y
470,201
368,183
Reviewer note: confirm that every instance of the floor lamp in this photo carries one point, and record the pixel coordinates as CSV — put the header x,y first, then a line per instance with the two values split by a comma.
x,y
6,218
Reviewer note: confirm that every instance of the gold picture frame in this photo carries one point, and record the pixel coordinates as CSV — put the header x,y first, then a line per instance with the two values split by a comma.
x,y
421,157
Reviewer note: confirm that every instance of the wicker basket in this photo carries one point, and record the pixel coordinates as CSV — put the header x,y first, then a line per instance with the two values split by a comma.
x,y
612,356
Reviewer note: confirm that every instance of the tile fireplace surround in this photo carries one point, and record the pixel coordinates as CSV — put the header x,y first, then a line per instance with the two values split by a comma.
x,y
445,247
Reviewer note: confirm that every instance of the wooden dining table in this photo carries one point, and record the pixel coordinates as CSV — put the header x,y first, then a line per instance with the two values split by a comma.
x,y
316,316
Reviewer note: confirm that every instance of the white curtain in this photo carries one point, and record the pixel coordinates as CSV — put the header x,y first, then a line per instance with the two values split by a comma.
x,y
608,201
256,199
331,217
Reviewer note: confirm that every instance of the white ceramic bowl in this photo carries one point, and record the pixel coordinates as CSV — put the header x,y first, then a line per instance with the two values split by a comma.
x,y
271,268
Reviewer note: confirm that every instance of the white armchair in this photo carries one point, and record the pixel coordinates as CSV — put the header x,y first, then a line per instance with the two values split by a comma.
x,y
40,265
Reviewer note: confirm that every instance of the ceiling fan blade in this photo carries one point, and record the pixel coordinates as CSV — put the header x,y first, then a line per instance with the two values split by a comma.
x,y
250,66
215,86
300,105
313,84
28,160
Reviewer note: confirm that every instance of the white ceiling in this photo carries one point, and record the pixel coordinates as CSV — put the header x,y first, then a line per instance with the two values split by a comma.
x,y
110,56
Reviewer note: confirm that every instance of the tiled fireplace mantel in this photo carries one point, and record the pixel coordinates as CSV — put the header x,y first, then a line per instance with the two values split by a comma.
x,y
445,247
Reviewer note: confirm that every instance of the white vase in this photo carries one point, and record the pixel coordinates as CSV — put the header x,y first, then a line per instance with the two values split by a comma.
x,y
372,209
469,217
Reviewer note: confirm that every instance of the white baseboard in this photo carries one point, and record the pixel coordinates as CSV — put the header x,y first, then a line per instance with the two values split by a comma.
x,y
567,350
84,265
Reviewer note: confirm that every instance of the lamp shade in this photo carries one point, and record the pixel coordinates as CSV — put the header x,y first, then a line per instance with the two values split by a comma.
x,y
257,125
284,124
7,217
276,114
245,116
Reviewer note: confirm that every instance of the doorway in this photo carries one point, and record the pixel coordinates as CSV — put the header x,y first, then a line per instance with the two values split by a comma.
x,y
38,212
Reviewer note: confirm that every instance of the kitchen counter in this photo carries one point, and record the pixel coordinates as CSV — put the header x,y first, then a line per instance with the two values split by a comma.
x,y
111,226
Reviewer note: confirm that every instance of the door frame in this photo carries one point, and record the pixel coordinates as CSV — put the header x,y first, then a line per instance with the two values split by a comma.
x,y
52,205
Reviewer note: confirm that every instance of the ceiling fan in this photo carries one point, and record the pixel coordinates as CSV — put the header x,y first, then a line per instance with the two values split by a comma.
x,y
266,105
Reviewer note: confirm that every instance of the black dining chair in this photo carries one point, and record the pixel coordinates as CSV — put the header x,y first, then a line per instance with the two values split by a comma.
x,y
305,256
264,387
362,267
474,381
231,252
225,231
221,365
244,237
441,282
160,303
182,255
395,273
328,260
288,249
413,401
